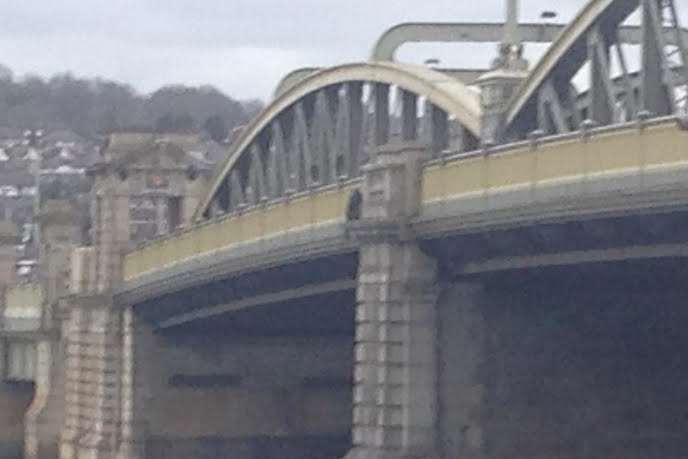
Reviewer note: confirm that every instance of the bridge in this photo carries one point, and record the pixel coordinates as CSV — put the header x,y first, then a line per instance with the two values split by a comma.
x,y
400,261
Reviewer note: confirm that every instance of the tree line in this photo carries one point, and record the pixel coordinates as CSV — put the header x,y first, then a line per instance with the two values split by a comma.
x,y
96,107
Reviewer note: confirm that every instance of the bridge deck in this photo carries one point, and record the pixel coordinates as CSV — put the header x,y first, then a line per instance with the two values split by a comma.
x,y
544,176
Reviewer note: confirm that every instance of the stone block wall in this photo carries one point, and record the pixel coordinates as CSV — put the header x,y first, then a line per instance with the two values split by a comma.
x,y
93,363
217,397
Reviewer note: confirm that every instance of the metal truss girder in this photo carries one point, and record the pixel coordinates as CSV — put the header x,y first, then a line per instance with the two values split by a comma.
x,y
256,191
677,37
563,60
620,91
463,33
570,98
354,114
301,158
367,141
332,122
657,91
277,170
602,98
439,129
381,124
550,108
342,141
324,145
409,116
215,208
237,198
631,105
417,32
222,199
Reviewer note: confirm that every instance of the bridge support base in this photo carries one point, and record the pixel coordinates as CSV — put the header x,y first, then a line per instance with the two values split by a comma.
x,y
94,371
395,376
44,418
395,386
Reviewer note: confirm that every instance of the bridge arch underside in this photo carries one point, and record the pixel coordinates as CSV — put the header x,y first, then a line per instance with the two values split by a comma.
x,y
557,338
573,362
565,339
255,365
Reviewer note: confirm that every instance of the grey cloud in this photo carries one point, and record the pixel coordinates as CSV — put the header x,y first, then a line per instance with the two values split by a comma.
x,y
241,46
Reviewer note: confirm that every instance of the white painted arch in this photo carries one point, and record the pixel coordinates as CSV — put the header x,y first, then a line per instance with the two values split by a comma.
x,y
442,90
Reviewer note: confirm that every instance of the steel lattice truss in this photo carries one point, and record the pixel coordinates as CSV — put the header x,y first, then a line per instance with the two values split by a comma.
x,y
329,132
591,49
322,131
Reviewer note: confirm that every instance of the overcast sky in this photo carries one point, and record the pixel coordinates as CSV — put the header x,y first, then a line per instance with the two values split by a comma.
x,y
241,46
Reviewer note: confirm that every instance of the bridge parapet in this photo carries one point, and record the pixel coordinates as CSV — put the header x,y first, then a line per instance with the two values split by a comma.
x,y
293,215
555,168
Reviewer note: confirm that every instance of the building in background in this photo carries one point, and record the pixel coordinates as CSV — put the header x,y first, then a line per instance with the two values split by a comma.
x,y
52,184
162,175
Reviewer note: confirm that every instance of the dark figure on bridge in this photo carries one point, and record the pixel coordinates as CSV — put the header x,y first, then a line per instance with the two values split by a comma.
x,y
353,210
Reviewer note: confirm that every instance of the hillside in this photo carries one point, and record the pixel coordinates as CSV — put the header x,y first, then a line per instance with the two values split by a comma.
x,y
94,107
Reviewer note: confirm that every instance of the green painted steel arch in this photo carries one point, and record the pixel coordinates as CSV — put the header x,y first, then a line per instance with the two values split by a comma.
x,y
442,90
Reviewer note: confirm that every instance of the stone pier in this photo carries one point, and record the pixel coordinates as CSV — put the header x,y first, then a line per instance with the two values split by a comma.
x,y
44,419
395,393
99,357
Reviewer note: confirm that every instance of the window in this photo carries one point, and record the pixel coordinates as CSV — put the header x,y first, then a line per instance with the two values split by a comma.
x,y
21,361
153,216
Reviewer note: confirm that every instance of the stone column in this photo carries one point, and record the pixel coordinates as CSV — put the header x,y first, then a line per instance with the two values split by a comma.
x,y
136,340
3,305
8,265
44,418
100,373
111,236
101,354
395,375
60,232
83,282
73,390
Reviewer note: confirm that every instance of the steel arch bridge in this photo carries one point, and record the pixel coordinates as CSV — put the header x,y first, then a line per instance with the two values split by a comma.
x,y
323,129
618,64
583,161
323,126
